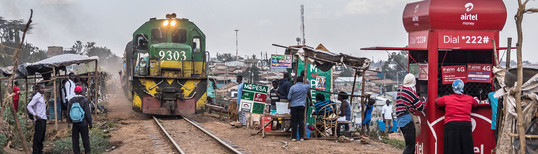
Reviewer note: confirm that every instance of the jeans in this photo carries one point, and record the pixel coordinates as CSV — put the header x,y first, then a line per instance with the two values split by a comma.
x,y
82,130
409,135
297,120
39,136
243,118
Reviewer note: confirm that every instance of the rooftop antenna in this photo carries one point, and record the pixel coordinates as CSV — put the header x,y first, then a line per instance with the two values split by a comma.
x,y
302,25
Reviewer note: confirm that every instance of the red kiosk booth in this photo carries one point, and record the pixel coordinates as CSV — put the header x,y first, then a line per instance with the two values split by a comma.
x,y
449,40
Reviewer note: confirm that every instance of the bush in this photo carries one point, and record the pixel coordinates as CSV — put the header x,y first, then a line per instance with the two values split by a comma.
x,y
98,143
3,142
395,143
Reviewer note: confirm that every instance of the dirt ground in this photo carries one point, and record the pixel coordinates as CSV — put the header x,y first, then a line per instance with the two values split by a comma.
x,y
133,135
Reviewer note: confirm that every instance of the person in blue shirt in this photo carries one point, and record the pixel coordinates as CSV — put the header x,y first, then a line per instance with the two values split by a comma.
x,y
369,102
284,87
297,95
242,115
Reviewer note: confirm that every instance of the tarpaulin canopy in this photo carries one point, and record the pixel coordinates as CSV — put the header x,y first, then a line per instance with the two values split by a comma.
x,y
45,66
324,60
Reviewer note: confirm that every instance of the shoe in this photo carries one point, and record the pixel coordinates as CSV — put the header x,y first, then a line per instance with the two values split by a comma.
x,y
293,140
301,140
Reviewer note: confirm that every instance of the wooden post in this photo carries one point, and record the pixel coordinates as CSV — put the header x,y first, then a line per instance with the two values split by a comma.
x,y
88,82
353,87
362,98
26,89
520,129
96,80
508,50
496,58
55,98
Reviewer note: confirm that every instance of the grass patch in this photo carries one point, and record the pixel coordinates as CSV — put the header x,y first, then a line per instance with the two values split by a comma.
x,y
3,142
98,143
395,143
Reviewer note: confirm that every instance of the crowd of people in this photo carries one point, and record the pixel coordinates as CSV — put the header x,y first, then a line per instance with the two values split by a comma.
x,y
75,108
408,104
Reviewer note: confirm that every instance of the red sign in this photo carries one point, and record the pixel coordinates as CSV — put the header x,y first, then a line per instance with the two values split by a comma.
x,y
418,39
466,39
260,97
423,72
479,73
454,15
452,73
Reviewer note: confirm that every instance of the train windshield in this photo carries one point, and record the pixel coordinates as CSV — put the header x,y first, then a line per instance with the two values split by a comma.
x,y
179,36
158,36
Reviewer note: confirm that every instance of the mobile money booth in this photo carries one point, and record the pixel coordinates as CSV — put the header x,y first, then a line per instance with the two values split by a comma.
x,y
449,40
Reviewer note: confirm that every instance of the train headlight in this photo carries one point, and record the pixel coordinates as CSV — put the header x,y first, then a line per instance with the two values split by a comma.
x,y
173,23
165,23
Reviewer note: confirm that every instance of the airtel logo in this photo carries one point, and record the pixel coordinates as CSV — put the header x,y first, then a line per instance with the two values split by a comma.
x,y
469,6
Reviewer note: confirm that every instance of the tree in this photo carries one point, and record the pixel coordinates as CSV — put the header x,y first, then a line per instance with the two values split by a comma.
x,y
226,57
78,47
397,61
10,37
347,72
519,19
251,73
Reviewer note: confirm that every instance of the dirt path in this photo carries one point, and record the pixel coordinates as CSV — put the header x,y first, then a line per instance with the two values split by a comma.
x,y
135,132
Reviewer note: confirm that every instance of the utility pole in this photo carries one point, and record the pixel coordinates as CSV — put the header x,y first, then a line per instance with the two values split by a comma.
x,y
302,25
236,45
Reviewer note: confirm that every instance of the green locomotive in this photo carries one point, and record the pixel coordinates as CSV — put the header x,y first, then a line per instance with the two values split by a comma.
x,y
164,71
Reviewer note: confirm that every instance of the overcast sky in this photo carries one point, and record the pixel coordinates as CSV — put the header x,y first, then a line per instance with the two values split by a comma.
x,y
341,25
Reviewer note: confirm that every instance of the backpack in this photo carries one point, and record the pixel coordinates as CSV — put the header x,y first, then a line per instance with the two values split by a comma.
x,y
76,113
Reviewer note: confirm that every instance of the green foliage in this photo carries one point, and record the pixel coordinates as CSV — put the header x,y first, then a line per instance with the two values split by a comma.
x,y
394,64
251,73
395,143
98,143
347,72
3,142
26,129
226,57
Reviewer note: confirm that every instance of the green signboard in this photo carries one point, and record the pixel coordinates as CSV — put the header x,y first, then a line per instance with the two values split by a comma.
x,y
253,98
319,80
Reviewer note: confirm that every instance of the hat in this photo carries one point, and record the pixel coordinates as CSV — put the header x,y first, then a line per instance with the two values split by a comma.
x,y
409,80
78,89
457,86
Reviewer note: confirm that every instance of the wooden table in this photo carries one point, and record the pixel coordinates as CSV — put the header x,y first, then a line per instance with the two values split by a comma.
x,y
283,117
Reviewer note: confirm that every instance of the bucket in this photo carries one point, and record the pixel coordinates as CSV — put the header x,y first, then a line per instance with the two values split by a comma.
x,y
264,121
282,108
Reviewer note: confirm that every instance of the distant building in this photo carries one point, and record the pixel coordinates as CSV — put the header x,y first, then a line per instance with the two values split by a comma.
x,y
54,50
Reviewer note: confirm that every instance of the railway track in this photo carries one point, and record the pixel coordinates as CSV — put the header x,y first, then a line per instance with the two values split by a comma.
x,y
187,136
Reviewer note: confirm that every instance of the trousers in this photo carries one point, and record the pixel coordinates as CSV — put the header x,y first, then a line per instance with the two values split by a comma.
x,y
458,137
297,121
39,136
409,136
83,131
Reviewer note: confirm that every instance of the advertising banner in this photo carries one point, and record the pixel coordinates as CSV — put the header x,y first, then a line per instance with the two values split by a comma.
x,y
281,61
465,39
253,98
452,73
479,73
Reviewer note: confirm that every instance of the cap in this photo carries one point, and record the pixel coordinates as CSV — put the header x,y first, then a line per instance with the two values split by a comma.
x,y
78,89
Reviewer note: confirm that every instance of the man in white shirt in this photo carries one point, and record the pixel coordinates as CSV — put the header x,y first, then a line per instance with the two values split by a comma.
x,y
386,113
37,108
69,92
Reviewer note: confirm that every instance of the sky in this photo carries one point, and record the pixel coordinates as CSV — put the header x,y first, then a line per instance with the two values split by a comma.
x,y
340,25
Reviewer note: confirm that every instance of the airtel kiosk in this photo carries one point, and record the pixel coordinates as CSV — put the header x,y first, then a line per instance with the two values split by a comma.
x,y
450,40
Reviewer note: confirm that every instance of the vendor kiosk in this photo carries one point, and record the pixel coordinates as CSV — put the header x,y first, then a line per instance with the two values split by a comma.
x,y
449,40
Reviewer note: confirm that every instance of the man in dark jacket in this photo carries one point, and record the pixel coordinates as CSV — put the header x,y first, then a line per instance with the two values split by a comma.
x,y
81,128
284,87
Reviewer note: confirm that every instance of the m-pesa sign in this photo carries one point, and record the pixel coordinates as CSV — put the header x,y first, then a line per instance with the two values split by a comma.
x,y
465,39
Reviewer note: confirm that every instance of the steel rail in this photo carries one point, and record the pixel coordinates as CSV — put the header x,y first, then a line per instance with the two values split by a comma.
x,y
169,137
213,136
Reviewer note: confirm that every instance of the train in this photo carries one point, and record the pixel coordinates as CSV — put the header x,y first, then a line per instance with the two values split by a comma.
x,y
165,67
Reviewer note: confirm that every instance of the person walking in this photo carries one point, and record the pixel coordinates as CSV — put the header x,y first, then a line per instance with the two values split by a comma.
x,y
36,108
80,114
408,102
297,95
242,114
16,91
458,132
386,113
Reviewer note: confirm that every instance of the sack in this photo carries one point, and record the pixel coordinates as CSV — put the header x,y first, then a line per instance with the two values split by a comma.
x,y
416,122
76,113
